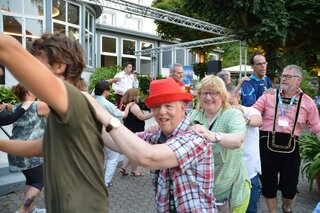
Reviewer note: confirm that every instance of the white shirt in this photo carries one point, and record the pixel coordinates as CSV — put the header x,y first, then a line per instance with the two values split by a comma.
x,y
251,145
126,82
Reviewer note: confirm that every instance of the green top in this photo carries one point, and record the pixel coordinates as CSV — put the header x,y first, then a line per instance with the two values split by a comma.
x,y
73,159
230,172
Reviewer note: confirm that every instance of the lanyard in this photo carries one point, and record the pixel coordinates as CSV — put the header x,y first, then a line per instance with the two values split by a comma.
x,y
283,110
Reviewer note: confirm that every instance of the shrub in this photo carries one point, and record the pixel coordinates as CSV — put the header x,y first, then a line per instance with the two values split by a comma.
x,y
7,96
101,74
310,155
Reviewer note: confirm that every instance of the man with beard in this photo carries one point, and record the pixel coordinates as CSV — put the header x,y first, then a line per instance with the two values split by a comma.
x,y
284,114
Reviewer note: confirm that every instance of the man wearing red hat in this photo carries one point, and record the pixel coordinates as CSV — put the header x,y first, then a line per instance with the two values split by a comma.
x,y
182,160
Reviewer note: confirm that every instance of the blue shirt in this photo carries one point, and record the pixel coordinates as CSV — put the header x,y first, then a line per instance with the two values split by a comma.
x,y
253,89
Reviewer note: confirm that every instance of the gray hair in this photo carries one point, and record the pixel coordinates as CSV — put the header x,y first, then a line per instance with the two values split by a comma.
x,y
224,75
296,69
231,89
174,66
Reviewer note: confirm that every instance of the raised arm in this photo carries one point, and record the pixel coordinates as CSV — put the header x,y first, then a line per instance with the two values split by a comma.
x,y
136,149
7,117
136,110
34,75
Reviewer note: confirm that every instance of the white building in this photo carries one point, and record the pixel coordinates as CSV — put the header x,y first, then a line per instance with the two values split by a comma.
x,y
108,36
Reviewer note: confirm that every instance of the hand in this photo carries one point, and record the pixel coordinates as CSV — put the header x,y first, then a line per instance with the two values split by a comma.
x,y
3,107
130,104
270,91
153,128
203,132
149,77
114,80
26,104
245,78
239,108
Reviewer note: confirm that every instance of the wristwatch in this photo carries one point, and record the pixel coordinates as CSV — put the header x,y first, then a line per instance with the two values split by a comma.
x,y
217,137
114,123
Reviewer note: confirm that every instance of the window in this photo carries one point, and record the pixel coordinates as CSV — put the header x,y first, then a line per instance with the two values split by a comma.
x,y
15,23
107,61
131,60
145,60
89,38
23,20
11,6
132,23
67,21
145,66
192,58
146,46
107,18
108,51
166,59
128,47
109,44
180,56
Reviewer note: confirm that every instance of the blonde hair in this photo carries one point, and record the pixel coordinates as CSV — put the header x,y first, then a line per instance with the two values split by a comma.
x,y
214,83
131,95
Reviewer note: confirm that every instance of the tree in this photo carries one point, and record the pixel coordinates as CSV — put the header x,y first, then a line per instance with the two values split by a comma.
x,y
171,32
288,30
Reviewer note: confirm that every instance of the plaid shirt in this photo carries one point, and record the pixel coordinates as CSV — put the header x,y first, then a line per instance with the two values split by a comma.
x,y
193,178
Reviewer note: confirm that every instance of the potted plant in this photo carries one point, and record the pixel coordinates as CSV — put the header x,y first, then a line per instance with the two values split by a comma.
x,y
310,156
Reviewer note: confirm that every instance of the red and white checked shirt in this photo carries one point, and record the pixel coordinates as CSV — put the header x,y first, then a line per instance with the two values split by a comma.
x,y
193,179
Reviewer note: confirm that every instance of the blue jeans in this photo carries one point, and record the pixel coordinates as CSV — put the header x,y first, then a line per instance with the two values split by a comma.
x,y
254,196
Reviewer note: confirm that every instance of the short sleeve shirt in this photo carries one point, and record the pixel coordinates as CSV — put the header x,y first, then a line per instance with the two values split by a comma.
x,y
230,171
193,178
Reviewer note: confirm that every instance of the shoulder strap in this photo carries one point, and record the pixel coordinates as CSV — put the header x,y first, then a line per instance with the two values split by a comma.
x,y
275,112
297,114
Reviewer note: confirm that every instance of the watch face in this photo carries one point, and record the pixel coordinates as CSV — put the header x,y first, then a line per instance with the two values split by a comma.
x,y
218,137
115,122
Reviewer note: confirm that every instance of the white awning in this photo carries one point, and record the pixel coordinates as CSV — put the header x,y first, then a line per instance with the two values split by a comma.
x,y
239,69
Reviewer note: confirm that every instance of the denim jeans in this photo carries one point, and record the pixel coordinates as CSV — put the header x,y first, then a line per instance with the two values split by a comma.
x,y
254,196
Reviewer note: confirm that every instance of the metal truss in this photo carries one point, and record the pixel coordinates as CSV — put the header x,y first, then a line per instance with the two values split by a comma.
x,y
160,15
188,45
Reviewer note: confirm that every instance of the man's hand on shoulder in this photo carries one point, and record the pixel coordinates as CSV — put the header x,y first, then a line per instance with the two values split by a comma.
x,y
270,91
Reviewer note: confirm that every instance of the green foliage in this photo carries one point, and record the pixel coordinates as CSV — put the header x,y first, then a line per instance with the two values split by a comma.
x,y
309,84
169,31
230,56
7,96
310,155
104,73
200,69
144,84
283,28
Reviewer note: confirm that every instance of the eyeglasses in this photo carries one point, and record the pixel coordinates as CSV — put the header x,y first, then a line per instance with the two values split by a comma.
x,y
260,64
212,94
288,77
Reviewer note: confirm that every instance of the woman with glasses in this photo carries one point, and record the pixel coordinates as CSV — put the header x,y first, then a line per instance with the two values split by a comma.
x,y
225,126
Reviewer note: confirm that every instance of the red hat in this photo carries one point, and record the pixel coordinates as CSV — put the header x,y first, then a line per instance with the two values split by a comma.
x,y
165,91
